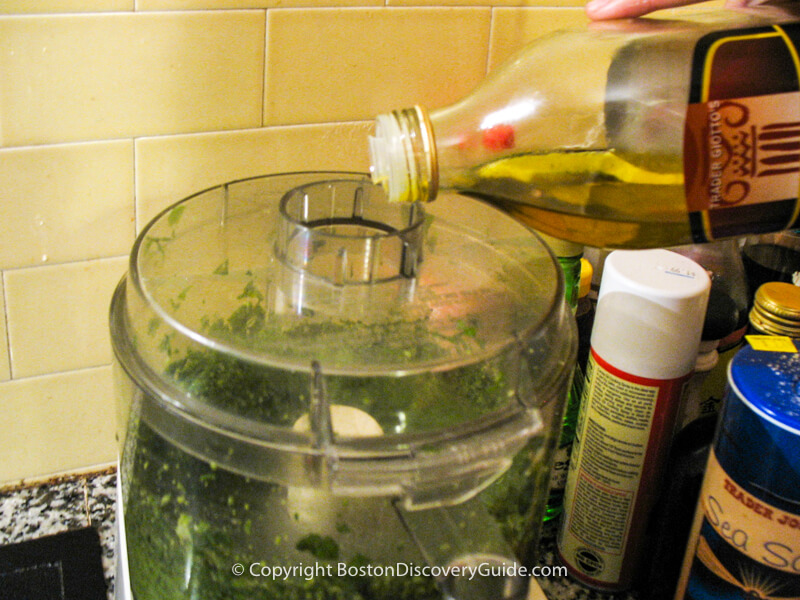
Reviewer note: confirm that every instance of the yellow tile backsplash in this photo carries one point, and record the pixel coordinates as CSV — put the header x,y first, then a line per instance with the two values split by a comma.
x,y
229,4
352,63
110,110
512,28
58,315
114,75
172,167
66,202
56,423
15,7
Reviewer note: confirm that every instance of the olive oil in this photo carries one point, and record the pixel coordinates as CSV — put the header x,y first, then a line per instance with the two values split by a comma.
x,y
593,197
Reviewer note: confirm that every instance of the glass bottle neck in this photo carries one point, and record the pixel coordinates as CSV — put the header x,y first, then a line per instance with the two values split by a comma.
x,y
403,156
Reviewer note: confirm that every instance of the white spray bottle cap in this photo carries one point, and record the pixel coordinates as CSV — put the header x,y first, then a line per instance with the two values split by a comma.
x,y
650,312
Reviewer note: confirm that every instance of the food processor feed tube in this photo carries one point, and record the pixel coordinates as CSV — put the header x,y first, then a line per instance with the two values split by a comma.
x,y
309,376
643,133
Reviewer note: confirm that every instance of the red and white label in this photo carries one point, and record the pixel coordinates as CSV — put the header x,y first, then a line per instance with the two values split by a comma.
x,y
621,444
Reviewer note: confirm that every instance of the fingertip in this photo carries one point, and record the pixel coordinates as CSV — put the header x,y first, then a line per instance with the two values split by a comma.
x,y
594,6
599,10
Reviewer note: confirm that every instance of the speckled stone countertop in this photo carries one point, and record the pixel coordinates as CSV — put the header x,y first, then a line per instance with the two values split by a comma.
x,y
71,502
31,511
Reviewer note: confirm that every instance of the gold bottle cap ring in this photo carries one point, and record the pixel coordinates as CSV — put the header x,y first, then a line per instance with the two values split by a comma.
x,y
779,298
776,309
429,146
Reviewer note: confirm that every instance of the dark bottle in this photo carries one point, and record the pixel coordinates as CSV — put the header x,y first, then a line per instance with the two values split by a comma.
x,y
723,261
772,257
723,330
672,521
584,314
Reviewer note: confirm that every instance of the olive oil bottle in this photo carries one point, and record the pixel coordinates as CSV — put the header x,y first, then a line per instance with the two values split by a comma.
x,y
638,133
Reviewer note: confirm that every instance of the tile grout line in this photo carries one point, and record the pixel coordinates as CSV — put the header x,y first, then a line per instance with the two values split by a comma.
x,y
135,190
8,327
490,40
265,57
48,265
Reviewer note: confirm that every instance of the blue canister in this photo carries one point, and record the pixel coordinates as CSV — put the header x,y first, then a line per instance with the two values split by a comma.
x,y
746,537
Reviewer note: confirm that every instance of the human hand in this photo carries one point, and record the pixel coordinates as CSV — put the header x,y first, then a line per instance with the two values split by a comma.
x,y
599,10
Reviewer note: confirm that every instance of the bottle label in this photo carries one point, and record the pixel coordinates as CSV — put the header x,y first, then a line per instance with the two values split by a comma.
x,y
771,343
742,133
745,547
696,406
558,475
622,439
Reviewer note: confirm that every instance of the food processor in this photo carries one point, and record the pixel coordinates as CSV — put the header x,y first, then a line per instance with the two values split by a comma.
x,y
325,395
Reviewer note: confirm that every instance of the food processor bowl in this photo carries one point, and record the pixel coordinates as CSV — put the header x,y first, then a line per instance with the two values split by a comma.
x,y
325,395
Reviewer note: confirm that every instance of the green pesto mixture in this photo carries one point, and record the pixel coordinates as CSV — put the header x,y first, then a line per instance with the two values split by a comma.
x,y
189,521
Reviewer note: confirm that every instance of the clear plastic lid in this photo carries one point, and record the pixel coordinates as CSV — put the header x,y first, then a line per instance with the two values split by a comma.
x,y
304,311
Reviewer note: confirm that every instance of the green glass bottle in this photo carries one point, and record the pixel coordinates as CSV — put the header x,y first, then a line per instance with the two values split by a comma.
x,y
569,256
